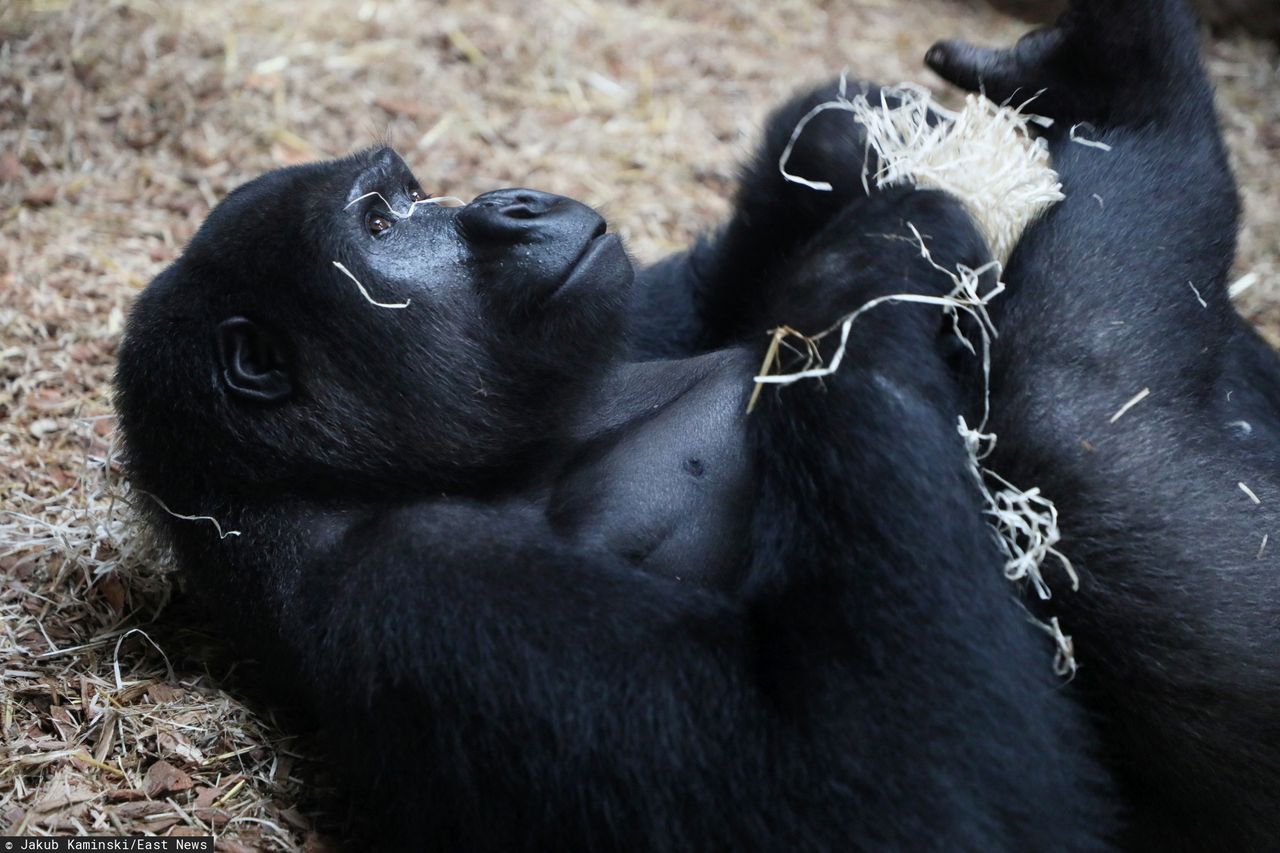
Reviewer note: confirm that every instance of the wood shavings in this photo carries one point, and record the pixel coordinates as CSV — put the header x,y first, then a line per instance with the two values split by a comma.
x,y
1133,401
1025,522
467,47
75,650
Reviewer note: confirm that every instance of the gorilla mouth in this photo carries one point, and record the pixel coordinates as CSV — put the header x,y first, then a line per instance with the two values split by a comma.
x,y
599,252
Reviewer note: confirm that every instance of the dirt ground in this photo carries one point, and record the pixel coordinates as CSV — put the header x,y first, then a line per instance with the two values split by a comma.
x,y
122,123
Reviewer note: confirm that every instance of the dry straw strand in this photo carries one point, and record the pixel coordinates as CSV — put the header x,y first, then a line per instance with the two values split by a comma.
x,y
1133,401
1088,143
434,201
365,293
222,534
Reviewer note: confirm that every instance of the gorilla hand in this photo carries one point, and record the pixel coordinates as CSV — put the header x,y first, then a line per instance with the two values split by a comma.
x,y
1105,61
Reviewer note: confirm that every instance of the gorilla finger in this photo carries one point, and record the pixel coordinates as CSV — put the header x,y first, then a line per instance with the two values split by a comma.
x,y
1038,47
969,67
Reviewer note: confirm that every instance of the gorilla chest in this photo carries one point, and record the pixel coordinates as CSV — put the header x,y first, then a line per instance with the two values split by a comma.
x,y
670,492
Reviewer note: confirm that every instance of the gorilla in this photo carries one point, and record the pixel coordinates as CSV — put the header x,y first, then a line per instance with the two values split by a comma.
x,y
492,507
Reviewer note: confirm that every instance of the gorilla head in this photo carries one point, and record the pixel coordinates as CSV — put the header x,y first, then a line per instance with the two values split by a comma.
x,y
447,343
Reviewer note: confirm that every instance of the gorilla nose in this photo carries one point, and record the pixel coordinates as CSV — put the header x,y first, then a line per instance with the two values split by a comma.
x,y
518,215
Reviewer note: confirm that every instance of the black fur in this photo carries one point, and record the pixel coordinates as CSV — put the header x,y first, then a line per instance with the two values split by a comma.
x,y
550,592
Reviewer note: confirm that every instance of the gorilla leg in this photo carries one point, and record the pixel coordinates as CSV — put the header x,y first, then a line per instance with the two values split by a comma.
x,y
1175,621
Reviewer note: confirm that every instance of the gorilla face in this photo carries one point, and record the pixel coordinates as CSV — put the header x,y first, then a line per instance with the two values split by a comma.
x,y
336,324
527,255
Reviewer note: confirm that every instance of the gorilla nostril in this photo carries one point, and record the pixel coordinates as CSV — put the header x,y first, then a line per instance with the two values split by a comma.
x,y
520,210
503,217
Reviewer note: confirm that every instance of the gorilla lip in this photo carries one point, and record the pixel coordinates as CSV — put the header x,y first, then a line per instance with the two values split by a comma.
x,y
592,254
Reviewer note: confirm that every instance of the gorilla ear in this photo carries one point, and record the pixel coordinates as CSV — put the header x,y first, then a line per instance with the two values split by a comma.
x,y
253,366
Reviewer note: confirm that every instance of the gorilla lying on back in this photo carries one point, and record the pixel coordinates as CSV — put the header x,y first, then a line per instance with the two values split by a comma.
x,y
553,591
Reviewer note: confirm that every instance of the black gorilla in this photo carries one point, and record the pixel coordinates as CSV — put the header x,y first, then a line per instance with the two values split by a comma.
x,y
552,587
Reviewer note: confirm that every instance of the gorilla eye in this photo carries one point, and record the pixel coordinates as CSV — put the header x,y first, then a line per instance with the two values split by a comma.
x,y
417,195
377,223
